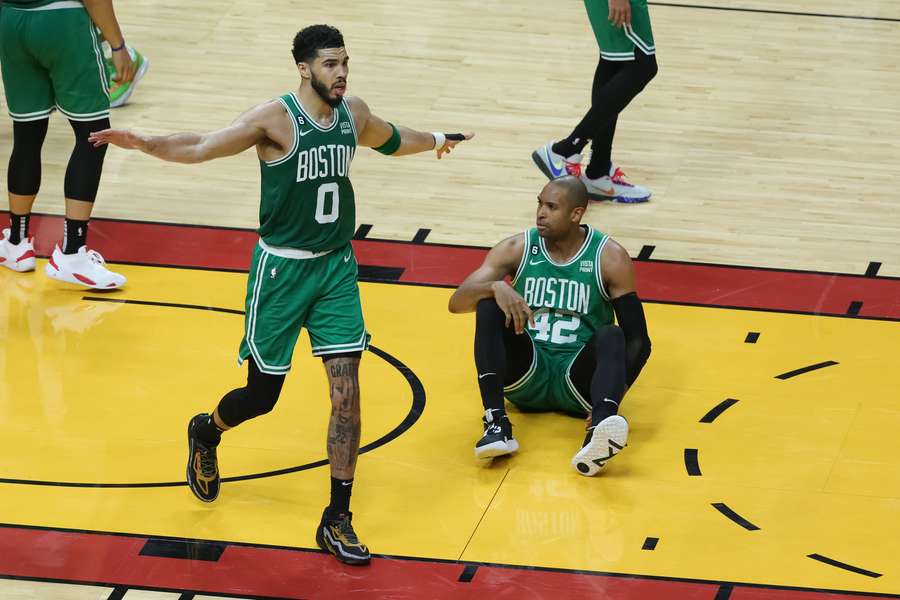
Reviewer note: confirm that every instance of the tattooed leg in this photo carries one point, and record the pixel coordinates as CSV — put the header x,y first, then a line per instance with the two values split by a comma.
x,y
344,425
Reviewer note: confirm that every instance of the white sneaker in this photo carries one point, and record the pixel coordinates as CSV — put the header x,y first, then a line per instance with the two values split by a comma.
x,y
18,257
555,165
86,267
615,187
605,441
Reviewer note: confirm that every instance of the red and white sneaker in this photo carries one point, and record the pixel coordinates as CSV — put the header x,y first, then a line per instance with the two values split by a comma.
x,y
615,187
18,257
85,267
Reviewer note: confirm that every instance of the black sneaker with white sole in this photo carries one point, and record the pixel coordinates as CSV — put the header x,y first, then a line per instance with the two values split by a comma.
x,y
498,439
335,535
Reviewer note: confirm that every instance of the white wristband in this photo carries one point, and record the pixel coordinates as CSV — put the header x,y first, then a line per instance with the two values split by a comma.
x,y
439,139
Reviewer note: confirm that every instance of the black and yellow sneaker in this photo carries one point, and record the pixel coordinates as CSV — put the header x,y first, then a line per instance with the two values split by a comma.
x,y
335,534
202,466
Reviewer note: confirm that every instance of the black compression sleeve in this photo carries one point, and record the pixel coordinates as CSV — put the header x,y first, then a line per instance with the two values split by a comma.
x,y
630,316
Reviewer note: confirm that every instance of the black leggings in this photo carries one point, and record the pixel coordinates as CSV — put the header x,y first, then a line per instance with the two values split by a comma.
x,y
615,85
84,168
502,357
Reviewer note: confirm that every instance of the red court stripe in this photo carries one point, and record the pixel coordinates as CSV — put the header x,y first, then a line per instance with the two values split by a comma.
x,y
432,264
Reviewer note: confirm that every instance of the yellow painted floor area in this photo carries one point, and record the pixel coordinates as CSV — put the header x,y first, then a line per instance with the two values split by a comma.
x,y
107,388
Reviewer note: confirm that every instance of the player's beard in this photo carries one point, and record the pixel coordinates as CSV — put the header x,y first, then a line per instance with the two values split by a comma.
x,y
324,93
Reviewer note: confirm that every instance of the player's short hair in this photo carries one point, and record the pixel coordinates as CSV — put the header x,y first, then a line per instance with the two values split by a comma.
x,y
310,40
574,190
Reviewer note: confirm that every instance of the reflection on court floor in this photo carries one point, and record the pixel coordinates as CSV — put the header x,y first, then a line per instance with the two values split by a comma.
x,y
761,451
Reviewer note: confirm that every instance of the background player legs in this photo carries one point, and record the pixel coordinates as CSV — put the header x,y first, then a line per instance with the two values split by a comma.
x,y
82,182
24,174
616,83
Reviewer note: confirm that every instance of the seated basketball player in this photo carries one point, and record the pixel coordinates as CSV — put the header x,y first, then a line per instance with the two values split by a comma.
x,y
547,341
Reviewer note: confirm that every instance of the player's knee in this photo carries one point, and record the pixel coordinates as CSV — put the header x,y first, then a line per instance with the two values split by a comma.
x,y
647,67
609,340
488,314
25,159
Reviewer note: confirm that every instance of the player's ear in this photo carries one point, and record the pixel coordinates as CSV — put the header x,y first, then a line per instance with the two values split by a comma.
x,y
304,70
577,213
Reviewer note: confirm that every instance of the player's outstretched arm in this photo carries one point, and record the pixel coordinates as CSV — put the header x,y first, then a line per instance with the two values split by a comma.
x,y
618,278
247,130
489,281
395,140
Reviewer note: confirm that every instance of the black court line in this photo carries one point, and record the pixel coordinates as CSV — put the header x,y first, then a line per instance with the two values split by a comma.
x,y
186,596
420,236
650,543
189,550
815,367
645,252
486,508
468,573
872,270
777,12
845,566
691,463
362,231
230,311
717,410
854,308
400,558
724,592
415,411
118,593
752,337
375,274
725,510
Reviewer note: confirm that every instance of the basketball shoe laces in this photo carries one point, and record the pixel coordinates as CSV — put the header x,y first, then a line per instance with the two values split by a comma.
x,y
346,529
207,458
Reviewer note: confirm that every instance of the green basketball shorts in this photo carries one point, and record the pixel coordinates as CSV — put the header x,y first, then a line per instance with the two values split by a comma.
x,y
547,385
619,43
286,293
51,58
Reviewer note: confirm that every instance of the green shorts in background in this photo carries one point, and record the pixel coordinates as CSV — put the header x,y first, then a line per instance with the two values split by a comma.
x,y
51,58
619,43
547,386
284,294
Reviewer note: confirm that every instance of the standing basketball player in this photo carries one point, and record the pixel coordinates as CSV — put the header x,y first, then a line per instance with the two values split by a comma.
x,y
303,272
627,64
547,340
51,59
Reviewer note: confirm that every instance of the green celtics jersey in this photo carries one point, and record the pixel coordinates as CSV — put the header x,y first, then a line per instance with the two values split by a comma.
x,y
306,199
568,300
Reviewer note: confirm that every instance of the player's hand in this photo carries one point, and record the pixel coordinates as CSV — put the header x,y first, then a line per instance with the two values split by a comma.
x,y
452,140
620,12
124,66
513,306
123,138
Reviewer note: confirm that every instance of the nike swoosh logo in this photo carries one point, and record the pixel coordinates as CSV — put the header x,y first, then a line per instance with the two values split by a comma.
x,y
346,483
485,375
613,401
347,258
302,133
556,170
538,262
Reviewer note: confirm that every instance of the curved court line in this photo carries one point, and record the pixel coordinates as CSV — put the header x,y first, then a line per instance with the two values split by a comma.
x,y
415,411
725,510
717,410
801,371
691,463
841,565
